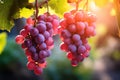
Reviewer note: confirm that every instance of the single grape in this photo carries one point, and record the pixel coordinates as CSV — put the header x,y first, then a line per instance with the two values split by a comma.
x,y
80,58
70,55
49,25
28,27
49,41
39,38
34,32
32,49
72,28
30,21
41,27
74,62
65,33
89,31
79,16
23,32
35,56
76,37
80,26
42,54
70,20
81,49
19,39
72,48
78,43
67,14
28,43
46,34
48,53
31,65
38,70
64,47
41,17
42,46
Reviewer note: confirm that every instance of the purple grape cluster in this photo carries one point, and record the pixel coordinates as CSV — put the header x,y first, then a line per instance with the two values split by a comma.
x,y
75,29
36,39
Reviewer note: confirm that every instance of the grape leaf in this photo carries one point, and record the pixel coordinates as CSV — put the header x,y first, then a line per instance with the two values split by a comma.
x,y
3,41
25,12
9,9
60,6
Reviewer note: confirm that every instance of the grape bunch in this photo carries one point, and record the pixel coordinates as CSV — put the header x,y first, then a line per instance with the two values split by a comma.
x,y
74,30
36,40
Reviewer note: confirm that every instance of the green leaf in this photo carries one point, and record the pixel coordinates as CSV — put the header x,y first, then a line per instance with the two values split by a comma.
x,y
9,10
3,41
25,12
60,6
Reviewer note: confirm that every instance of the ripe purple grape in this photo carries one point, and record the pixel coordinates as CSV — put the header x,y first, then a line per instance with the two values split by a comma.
x,y
41,27
72,48
46,34
39,38
65,34
81,49
42,54
34,32
42,46
76,37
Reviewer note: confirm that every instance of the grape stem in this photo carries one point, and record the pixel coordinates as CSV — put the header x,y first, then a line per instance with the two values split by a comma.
x,y
36,10
77,4
47,7
86,5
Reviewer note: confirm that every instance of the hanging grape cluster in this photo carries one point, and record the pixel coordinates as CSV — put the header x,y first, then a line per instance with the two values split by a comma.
x,y
36,40
74,30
